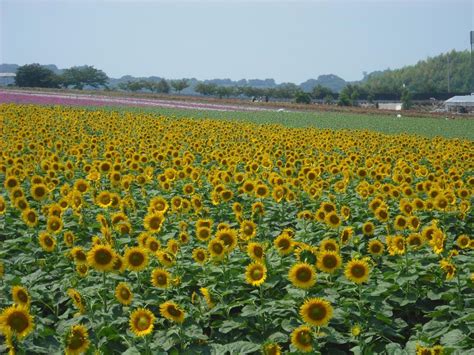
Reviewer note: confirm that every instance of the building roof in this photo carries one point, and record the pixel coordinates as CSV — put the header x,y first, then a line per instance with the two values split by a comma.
x,y
7,74
461,100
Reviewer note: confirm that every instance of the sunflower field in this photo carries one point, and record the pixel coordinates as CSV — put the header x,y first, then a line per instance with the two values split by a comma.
x,y
137,233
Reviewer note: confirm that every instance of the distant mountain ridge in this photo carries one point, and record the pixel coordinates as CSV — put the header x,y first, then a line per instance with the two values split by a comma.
x,y
447,72
331,81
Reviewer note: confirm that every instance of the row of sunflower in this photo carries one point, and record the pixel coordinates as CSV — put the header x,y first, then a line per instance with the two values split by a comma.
x,y
136,233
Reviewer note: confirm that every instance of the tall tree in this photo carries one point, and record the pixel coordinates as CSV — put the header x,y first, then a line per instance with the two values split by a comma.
x,y
36,75
179,85
78,77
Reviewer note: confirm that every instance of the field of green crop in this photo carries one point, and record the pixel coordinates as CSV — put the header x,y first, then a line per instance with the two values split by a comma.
x,y
429,127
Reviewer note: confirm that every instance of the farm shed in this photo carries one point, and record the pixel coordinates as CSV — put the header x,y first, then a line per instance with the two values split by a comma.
x,y
461,104
7,78
395,106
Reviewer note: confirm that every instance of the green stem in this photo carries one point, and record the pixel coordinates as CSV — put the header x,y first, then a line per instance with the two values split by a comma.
x,y
105,292
459,291
262,310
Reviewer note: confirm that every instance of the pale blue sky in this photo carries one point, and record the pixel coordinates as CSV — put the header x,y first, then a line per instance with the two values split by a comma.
x,y
285,40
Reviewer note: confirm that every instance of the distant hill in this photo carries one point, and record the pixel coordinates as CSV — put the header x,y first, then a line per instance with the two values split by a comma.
x,y
426,76
430,75
330,81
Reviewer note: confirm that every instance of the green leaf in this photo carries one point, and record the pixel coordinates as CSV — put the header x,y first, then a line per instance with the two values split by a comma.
x,y
454,337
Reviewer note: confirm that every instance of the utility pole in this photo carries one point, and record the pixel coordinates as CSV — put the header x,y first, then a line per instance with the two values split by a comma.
x,y
449,75
472,63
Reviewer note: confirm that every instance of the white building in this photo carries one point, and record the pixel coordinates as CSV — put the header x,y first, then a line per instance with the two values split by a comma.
x,y
7,78
461,104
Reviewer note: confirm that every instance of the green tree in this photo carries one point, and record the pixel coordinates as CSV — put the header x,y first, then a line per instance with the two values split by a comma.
x,y
206,89
302,98
78,77
406,100
344,99
320,92
161,87
35,75
179,85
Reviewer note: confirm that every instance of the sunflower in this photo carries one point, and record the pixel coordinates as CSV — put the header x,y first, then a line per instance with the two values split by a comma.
x,y
284,243
172,312
69,238
153,222
77,340
448,268
81,185
228,237
119,264
152,244
316,312
136,258
201,223
160,278
76,299
400,222
47,241
207,297
54,224
79,255
329,245
203,233
11,182
302,275
30,217
217,249
166,258
16,320
103,199
415,241
271,349
141,322
21,296
463,241
396,245
332,219
261,191
375,247
39,192
346,235
248,229
255,273
101,257
368,228
382,214
82,270
357,271
329,261
256,251
302,338
3,205
200,255
123,294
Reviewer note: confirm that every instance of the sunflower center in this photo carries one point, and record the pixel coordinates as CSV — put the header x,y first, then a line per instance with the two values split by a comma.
x,y
76,341
330,247
317,312
103,257
48,242
124,293
358,271
329,261
155,223
31,217
304,337
143,322
334,219
18,322
174,311
375,248
161,279
303,274
258,251
136,259
22,296
257,274
284,244
217,248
